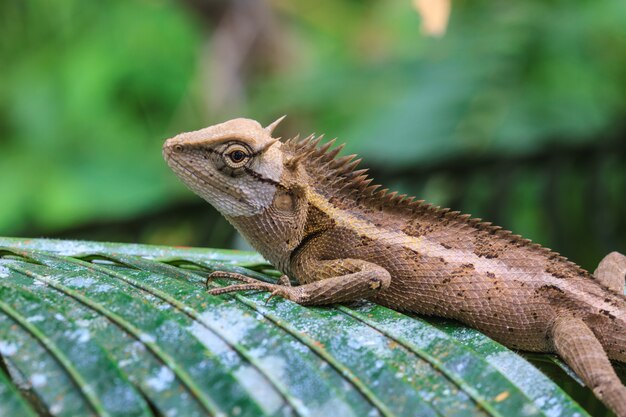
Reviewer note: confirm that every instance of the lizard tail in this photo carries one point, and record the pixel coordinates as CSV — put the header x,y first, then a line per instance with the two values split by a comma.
x,y
578,346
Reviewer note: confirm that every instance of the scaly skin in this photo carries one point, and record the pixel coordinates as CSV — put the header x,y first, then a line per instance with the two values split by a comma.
x,y
319,221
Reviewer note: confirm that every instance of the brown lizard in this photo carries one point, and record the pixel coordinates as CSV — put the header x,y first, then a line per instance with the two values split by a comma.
x,y
320,221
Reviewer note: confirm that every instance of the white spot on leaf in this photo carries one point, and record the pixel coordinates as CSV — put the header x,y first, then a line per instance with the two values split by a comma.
x,y
147,338
162,380
38,380
4,272
7,348
36,318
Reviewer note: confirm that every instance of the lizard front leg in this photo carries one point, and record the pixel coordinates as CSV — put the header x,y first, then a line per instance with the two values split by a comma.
x,y
578,346
342,280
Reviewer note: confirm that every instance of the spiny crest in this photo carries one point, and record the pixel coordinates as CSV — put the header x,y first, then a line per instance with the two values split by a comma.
x,y
338,177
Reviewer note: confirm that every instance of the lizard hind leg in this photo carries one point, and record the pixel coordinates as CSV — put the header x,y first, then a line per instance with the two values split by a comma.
x,y
578,346
611,271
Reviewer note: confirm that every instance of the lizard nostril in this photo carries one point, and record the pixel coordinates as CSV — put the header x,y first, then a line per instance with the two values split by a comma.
x,y
178,148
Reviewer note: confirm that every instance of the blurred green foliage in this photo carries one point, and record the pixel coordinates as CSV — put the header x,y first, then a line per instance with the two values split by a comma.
x,y
88,90
516,115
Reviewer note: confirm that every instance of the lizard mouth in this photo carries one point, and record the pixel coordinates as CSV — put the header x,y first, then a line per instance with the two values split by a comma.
x,y
192,177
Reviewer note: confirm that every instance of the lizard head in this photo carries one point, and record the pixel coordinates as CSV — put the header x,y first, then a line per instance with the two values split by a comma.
x,y
236,166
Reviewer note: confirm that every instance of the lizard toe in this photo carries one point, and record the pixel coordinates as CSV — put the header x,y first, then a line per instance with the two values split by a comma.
x,y
231,275
260,286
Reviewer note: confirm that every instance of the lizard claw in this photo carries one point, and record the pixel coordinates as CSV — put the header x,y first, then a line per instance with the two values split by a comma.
x,y
272,295
212,276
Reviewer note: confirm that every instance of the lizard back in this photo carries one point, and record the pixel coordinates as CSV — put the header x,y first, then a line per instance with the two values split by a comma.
x,y
443,262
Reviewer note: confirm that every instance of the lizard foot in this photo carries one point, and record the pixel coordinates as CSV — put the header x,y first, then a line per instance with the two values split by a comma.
x,y
251,284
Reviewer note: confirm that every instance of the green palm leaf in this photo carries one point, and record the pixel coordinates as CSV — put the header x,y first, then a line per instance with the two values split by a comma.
x,y
109,329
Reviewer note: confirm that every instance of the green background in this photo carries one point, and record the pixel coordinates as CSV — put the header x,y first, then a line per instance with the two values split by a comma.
x,y
516,115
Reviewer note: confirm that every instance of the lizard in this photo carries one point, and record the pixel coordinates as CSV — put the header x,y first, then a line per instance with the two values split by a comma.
x,y
320,221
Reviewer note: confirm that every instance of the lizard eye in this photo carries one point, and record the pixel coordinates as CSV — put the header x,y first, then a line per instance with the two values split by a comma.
x,y
236,156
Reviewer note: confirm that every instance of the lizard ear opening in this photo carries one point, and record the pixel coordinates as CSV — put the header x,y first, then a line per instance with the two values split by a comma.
x,y
270,128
